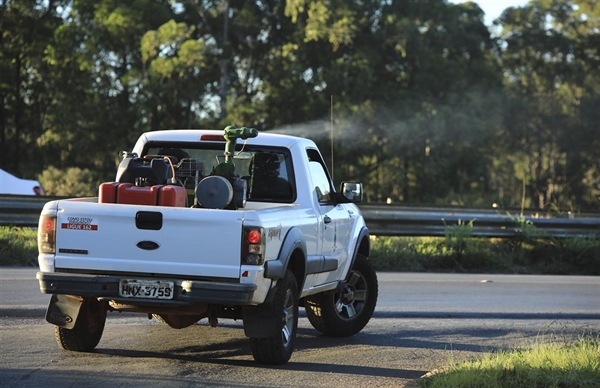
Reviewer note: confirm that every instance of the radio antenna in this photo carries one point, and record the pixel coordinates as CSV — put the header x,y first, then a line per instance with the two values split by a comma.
x,y
331,128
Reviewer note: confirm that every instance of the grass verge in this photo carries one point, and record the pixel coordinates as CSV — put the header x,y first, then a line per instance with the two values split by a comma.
x,y
18,246
568,256
550,365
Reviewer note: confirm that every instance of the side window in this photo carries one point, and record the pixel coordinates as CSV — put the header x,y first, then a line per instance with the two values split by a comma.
x,y
319,177
270,177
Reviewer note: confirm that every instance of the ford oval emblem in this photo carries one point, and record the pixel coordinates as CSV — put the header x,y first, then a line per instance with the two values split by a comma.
x,y
147,245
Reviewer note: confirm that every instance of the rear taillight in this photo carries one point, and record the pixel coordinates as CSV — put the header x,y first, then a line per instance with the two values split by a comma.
x,y
253,246
47,234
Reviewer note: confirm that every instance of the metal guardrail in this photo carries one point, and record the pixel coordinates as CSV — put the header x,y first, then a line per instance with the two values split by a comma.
x,y
437,221
382,220
21,210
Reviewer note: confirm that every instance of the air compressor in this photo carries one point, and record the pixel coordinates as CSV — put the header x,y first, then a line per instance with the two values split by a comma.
x,y
223,189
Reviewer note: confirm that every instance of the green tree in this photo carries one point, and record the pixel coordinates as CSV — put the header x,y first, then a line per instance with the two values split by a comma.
x,y
72,181
427,105
174,74
551,62
411,76
26,27
95,76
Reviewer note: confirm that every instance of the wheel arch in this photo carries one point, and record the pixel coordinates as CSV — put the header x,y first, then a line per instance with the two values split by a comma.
x,y
363,245
292,255
297,264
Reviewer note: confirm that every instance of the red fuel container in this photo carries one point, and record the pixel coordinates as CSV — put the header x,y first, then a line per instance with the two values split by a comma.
x,y
128,193
107,192
172,196
134,195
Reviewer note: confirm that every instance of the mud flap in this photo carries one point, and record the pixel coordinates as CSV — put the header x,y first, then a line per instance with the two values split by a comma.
x,y
63,310
261,321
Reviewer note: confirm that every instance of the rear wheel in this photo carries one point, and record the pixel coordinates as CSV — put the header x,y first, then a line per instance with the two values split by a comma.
x,y
278,349
346,312
88,329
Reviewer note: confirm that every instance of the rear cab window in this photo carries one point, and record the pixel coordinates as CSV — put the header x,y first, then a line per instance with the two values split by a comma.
x,y
268,171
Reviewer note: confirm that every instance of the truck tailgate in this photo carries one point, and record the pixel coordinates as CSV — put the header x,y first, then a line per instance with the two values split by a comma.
x,y
148,239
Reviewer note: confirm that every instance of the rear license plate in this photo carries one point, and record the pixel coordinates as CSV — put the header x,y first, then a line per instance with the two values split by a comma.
x,y
150,289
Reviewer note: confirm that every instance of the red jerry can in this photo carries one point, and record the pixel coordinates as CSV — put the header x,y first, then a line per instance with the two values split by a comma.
x,y
134,195
128,193
107,192
175,196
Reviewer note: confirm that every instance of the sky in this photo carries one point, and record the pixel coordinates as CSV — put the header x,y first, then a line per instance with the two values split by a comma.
x,y
493,8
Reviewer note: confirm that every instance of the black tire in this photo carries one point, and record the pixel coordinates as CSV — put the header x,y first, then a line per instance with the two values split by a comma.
x,y
345,313
278,349
86,334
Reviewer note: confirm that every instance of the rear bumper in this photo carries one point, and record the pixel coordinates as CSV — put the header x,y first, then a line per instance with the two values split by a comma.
x,y
107,287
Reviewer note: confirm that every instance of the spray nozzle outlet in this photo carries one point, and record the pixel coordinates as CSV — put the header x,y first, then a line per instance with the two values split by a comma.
x,y
232,133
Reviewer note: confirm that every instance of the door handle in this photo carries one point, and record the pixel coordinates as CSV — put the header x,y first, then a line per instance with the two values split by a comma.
x,y
327,219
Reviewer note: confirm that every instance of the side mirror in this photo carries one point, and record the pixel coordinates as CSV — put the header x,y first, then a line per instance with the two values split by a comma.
x,y
127,154
352,191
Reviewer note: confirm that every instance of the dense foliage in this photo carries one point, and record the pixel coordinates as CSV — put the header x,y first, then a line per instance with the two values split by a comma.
x,y
456,254
428,106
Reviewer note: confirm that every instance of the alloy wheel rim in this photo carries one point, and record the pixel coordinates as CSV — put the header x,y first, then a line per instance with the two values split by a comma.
x,y
288,319
350,302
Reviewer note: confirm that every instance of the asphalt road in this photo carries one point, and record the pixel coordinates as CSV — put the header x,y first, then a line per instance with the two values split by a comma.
x,y
422,322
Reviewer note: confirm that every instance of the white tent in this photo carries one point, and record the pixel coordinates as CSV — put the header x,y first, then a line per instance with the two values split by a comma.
x,y
10,184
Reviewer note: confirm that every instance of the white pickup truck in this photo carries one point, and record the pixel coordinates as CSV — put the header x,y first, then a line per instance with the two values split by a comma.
x,y
199,224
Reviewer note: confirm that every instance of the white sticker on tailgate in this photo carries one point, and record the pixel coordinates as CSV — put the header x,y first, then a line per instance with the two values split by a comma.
x,y
79,223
